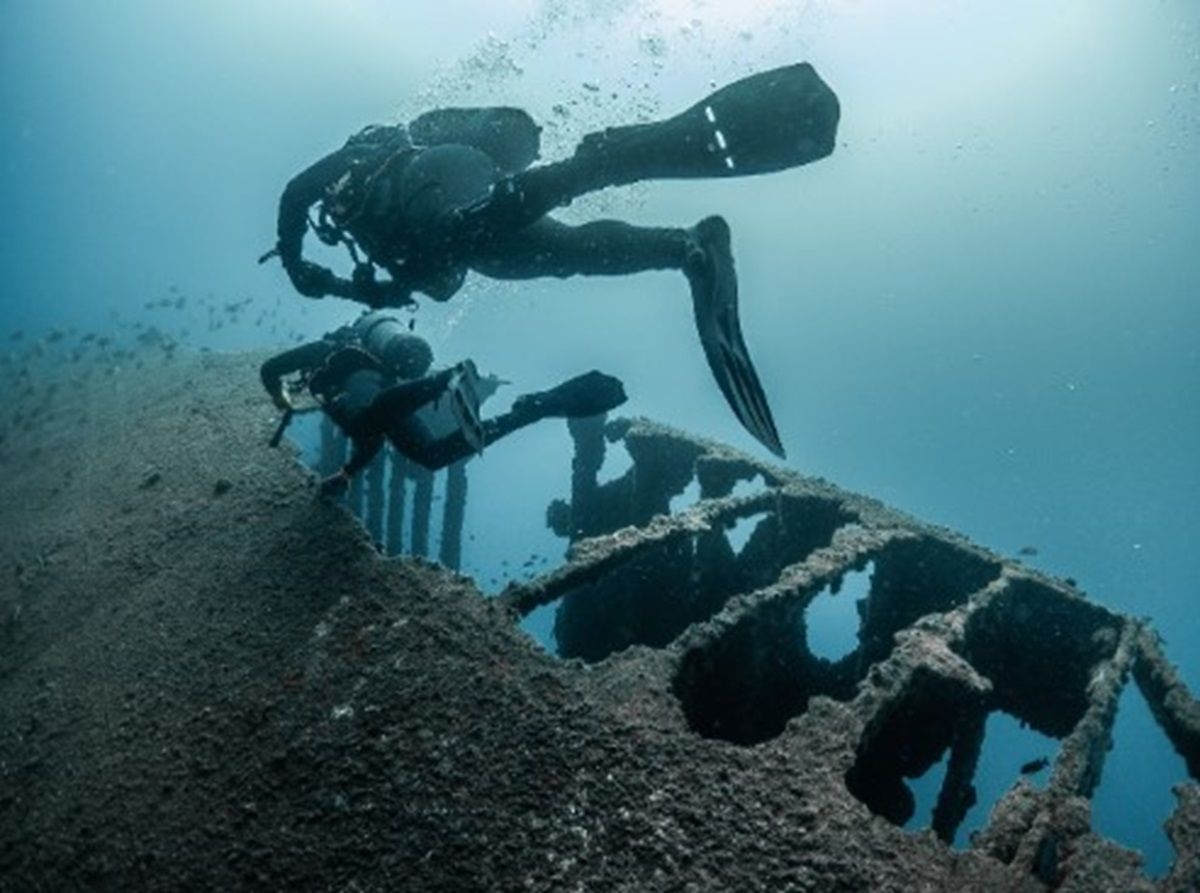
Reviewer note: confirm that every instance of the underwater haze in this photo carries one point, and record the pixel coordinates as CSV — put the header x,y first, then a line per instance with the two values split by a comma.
x,y
983,308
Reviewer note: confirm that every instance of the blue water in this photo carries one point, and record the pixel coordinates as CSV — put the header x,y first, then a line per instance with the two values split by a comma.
x,y
981,309
1008,745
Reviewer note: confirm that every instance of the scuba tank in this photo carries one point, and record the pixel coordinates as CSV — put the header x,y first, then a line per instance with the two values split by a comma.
x,y
389,341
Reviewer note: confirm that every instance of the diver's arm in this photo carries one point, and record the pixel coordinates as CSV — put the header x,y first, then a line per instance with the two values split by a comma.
x,y
363,451
306,356
393,411
313,280
364,288
302,192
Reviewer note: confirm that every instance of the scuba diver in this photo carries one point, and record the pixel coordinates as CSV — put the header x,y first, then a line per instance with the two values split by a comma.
x,y
372,379
455,190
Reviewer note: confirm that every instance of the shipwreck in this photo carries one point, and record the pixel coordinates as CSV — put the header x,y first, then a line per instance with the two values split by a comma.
x,y
209,678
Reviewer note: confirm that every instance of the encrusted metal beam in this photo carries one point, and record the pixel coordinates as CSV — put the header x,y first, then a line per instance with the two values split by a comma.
x,y
852,547
1081,757
397,486
591,558
1176,710
375,498
454,514
422,508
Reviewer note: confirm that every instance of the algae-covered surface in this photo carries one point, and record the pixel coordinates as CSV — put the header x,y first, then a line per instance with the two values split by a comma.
x,y
211,679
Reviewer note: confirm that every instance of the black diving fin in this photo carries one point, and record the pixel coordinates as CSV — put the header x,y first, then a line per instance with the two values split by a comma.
x,y
715,303
767,122
463,391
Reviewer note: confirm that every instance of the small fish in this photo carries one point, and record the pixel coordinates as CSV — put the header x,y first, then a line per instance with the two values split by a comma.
x,y
1034,766
1028,550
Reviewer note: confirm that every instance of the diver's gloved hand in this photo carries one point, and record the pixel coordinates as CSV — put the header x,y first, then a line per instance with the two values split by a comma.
x,y
335,485
282,400
364,287
311,280
592,393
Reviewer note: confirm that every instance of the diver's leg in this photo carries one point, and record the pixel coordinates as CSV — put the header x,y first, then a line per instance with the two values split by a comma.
x,y
600,248
590,394
523,198
403,399
609,247
612,248
770,121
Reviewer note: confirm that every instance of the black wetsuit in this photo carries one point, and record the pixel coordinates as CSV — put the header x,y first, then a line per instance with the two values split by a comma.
x,y
371,403
458,189
405,222
455,191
